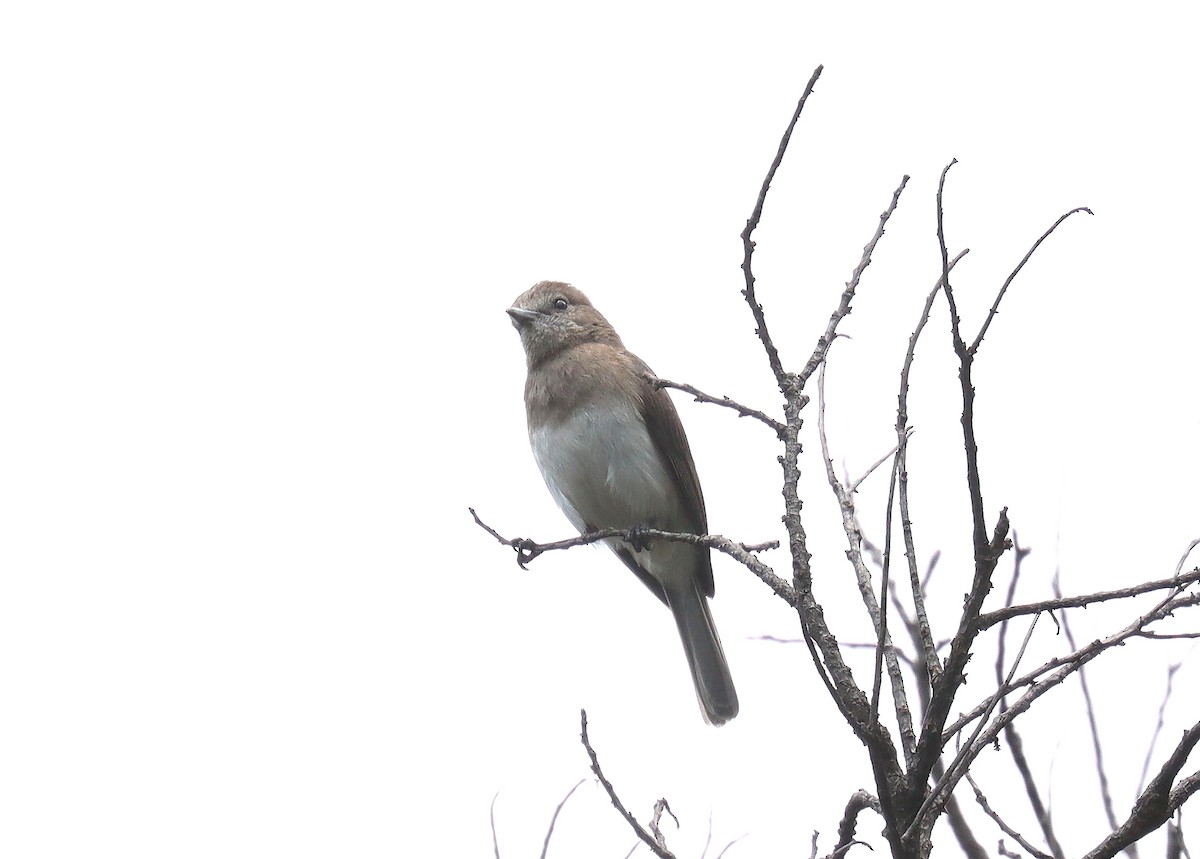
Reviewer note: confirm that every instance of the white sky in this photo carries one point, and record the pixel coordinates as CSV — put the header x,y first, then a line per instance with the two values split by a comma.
x,y
254,367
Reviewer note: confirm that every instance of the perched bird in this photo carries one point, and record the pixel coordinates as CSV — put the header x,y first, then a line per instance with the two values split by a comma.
x,y
614,455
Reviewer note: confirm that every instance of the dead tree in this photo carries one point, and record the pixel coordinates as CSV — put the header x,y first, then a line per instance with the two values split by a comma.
x,y
919,755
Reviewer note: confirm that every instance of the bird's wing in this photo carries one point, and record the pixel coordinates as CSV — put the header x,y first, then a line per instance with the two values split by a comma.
x,y
666,430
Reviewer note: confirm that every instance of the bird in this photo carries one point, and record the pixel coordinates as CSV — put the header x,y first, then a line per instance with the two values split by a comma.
x,y
613,453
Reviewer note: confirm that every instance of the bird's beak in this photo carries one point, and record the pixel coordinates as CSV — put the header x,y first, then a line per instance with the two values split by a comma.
x,y
521,317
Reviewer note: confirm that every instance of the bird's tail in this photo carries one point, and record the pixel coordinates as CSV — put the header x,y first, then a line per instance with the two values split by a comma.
x,y
706,659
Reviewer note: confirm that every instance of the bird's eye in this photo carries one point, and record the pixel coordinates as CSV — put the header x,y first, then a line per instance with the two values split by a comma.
x,y
560,304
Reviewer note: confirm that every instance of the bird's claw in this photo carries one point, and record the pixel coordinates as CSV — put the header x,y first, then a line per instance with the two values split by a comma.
x,y
527,550
637,539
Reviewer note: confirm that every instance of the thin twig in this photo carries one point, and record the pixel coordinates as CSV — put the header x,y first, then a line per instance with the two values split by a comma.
x,y
1183,558
1015,743
756,309
1158,726
661,805
554,818
970,750
825,341
492,818
996,304
852,487
726,402
959,346
725,849
991,618
1090,706
1016,748
970,845
1169,636
933,562
744,553
659,850
1019,555
884,640
1175,846
840,852
886,652
1064,666
1012,833
1039,683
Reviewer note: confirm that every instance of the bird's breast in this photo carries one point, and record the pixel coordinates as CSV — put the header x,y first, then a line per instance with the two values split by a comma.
x,y
603,468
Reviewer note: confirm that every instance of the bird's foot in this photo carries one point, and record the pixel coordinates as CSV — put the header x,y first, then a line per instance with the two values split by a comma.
x,y
637,539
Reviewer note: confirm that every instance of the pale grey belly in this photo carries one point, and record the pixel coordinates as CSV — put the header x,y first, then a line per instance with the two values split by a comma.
x,y
602,468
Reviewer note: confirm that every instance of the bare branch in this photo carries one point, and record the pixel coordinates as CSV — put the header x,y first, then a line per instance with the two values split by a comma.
x,y
492,818
701,397
1016,748
1019,555
1185,790
933,666
820,640
756,309
986,554
933,562
1008,830
1183,558
986,551
852,487
554,818
725,849
859,801
911,797
930,744
1015,743
908,737
1156,804
845,848
1066,666
996,304
991,618
1090,706
707,837
659,850
1162,710
1175,845
886,651
527,550
843,309
960,347
970,846
970,749
661,805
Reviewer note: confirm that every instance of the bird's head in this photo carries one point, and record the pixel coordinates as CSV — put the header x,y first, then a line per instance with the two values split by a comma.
x,y
551,317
